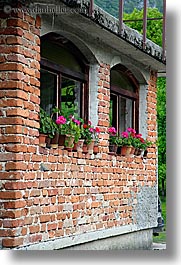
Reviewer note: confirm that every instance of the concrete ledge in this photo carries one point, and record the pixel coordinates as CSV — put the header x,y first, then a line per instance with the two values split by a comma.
x,y
109,236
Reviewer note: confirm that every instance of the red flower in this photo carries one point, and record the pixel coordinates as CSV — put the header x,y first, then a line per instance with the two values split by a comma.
x,y
97,130
142,140
138,135
85,126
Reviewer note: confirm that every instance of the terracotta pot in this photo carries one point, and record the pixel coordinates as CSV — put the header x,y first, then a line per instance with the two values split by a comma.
x,y
69,142
132,150
54,141
48,141
113,148
96,149
138,151
79,145
145,153
126,150
61,140
42,139
90,147
84,149
119,150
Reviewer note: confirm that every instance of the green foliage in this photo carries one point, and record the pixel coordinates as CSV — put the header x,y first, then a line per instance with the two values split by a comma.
x,y
112,6
154,27
47,125
161,118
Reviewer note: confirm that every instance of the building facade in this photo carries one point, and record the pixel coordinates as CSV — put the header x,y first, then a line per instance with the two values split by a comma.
x,y
52,198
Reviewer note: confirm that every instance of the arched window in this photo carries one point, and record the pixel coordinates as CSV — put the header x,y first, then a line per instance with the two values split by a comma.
x,y
124,109
63,77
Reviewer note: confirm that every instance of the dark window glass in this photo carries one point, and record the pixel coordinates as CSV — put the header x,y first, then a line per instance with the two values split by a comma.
x,y
49,83
124,101
64,78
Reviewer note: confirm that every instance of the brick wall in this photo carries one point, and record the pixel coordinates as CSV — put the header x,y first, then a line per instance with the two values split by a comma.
x,y
19,107
52,193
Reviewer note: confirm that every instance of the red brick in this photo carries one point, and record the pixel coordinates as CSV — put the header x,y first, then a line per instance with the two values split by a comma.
x,y
15,185
16,148
45,218
38,21
11,195
12,242
11,66
18,23
13,223
15,166
14,40
34,238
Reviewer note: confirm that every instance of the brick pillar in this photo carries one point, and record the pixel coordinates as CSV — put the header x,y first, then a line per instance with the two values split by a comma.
x,y
104,104
19,121
152,114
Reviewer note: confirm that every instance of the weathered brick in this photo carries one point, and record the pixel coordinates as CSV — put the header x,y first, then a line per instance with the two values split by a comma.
x,y
12,242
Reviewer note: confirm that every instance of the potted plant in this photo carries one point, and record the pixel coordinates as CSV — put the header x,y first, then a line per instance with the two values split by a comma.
x,y
88,136
96,140
128,138
61,121
113,140
48,127
141,145
78,141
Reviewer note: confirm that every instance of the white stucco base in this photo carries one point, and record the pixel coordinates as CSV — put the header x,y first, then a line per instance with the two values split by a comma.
x,y
125,237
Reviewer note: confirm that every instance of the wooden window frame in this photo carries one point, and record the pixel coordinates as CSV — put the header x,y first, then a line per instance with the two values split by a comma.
x,y
134,96
61,70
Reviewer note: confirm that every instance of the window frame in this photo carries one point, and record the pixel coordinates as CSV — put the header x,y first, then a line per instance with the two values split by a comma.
x,y
121,92
61,70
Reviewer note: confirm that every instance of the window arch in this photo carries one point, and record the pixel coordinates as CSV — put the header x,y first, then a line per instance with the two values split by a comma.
x,y
124,99
63,76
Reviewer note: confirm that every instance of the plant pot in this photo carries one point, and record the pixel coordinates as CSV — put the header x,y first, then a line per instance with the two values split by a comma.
x,y
96,149
79,145
126,150
84,149
69,142
54,141
113,148
61,140
138,152
48,141
145,153
42,139
90,147
55,138
132,150
119,150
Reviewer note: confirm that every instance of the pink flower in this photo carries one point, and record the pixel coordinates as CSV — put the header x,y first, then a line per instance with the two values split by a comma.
x,y
61,120
125,134
131,130
112,130
76,121
89,122
91,130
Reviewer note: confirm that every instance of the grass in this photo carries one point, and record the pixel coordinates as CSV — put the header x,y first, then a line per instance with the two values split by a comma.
x,y
162,235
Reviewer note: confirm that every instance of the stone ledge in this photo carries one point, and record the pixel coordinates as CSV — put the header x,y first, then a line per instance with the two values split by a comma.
x,y
84,238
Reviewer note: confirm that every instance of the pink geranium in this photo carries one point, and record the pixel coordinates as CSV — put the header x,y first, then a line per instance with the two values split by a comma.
x,y
91,130
125,134
61,120
76,121
131,130
112,131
